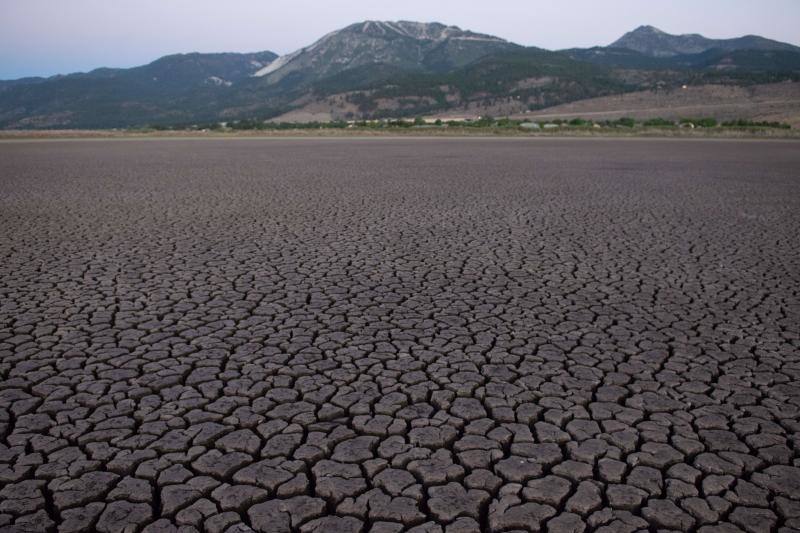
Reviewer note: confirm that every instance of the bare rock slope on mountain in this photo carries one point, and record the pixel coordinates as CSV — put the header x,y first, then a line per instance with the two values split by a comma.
x,y
405,45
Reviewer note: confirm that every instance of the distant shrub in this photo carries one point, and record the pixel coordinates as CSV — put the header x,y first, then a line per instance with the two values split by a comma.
x,y
507,123
484,122
742,123
704,122
658,123
625,122
579,122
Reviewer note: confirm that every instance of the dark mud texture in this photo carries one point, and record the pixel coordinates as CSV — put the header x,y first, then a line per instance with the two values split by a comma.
x,y
399,335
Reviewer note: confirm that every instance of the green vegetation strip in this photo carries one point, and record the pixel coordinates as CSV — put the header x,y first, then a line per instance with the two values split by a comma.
x,y
706,123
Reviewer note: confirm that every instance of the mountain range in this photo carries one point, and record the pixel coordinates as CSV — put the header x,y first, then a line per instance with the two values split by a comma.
x,y
386,69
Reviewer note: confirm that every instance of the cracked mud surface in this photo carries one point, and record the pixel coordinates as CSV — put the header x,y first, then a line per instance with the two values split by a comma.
x,y
399,335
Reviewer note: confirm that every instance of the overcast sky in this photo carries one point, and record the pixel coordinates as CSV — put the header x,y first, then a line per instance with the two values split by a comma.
x,y
45,37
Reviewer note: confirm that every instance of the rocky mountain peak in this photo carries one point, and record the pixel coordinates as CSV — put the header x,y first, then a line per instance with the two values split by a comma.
x,y
422,31
648,30
403,44
654,42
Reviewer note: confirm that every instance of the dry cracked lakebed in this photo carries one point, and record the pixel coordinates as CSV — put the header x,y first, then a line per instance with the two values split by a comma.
x,y
351,335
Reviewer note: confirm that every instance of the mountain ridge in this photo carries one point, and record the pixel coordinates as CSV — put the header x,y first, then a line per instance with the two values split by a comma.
x,y
384,69
654,42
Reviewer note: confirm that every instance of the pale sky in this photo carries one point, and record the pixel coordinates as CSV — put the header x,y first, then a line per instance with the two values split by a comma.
x,y
45,37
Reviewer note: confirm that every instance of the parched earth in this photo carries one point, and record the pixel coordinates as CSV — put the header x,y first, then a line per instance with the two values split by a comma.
x,y
387,335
